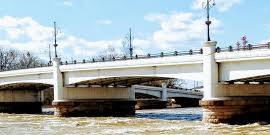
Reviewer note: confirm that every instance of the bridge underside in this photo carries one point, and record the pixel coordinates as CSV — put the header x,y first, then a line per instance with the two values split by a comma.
x,y
120,81
144,96
23,86
186,102
260,79
21,97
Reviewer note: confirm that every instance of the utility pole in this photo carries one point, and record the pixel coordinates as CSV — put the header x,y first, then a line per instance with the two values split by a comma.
x,y
130,44
209,4
50,55
127,44
55,42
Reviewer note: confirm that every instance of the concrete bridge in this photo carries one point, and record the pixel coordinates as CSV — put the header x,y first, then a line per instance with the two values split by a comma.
x,y
218,68
149,97
164,93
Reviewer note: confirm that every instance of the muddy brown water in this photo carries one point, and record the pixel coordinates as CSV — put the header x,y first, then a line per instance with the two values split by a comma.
x,y
185,121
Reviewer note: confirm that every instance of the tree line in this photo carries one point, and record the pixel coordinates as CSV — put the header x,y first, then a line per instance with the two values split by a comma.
x,y
12,59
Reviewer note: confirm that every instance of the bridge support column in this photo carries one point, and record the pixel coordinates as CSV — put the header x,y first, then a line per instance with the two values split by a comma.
x,y
232,103
96,102
58,81
164,96
238,103
210,70
210,74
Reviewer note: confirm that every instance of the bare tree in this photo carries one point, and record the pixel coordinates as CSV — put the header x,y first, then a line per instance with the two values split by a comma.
x,y
12,59
171,83
109,53
27,60
7,59
176,83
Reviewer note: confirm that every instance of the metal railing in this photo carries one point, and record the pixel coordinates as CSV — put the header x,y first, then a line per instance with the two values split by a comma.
x,y
122,58
148,56
27,67
243,48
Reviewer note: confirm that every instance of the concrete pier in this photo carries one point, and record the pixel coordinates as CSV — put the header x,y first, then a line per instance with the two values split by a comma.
x,y
96,102
236,110
80,108
231,103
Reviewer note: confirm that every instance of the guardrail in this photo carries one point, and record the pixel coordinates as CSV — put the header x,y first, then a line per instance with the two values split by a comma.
x,y
243,48
162,54
27,67
121,58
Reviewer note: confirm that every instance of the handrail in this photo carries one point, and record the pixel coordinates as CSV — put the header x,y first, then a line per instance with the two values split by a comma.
x,y
157,55
29,67
122,58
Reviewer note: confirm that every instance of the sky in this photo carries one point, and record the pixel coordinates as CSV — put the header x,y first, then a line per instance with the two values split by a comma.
x,y
87,27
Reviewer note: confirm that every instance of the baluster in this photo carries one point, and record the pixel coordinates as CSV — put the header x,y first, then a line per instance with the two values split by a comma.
x,y
190,52
175,53
230,48
249,46
218,49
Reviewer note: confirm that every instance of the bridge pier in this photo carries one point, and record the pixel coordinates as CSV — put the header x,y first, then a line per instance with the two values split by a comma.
x,y
231,103
164,95
95,102
20,101
74,101
238,103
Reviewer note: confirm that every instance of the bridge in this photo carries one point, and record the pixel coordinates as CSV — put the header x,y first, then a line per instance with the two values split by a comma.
x,y
220,69
149,97
164,93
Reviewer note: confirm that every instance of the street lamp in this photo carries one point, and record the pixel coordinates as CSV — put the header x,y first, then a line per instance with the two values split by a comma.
x,y
209,4
55,34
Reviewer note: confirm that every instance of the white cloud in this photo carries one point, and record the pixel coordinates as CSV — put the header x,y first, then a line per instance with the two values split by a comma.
x,y
26,34
68,3
265,41
221,5
24,30
180,30
177,30
106,22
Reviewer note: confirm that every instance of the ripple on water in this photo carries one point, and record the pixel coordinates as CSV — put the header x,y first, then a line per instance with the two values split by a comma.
x,y
152,122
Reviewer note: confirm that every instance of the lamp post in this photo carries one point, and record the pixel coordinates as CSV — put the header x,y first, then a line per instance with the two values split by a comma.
x,y
55,44
130,44
209,4
50,55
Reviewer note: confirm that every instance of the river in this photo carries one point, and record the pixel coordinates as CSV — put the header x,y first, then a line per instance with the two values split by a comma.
x,y
186,121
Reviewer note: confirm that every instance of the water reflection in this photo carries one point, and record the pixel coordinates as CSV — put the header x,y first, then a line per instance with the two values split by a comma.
x,y
168,116
187,114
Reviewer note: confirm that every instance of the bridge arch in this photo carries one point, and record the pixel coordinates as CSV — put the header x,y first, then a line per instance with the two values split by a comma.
x,y
188,71
120,81
24,86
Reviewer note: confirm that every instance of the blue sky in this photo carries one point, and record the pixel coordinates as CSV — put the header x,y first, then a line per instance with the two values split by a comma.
x,y
90,26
